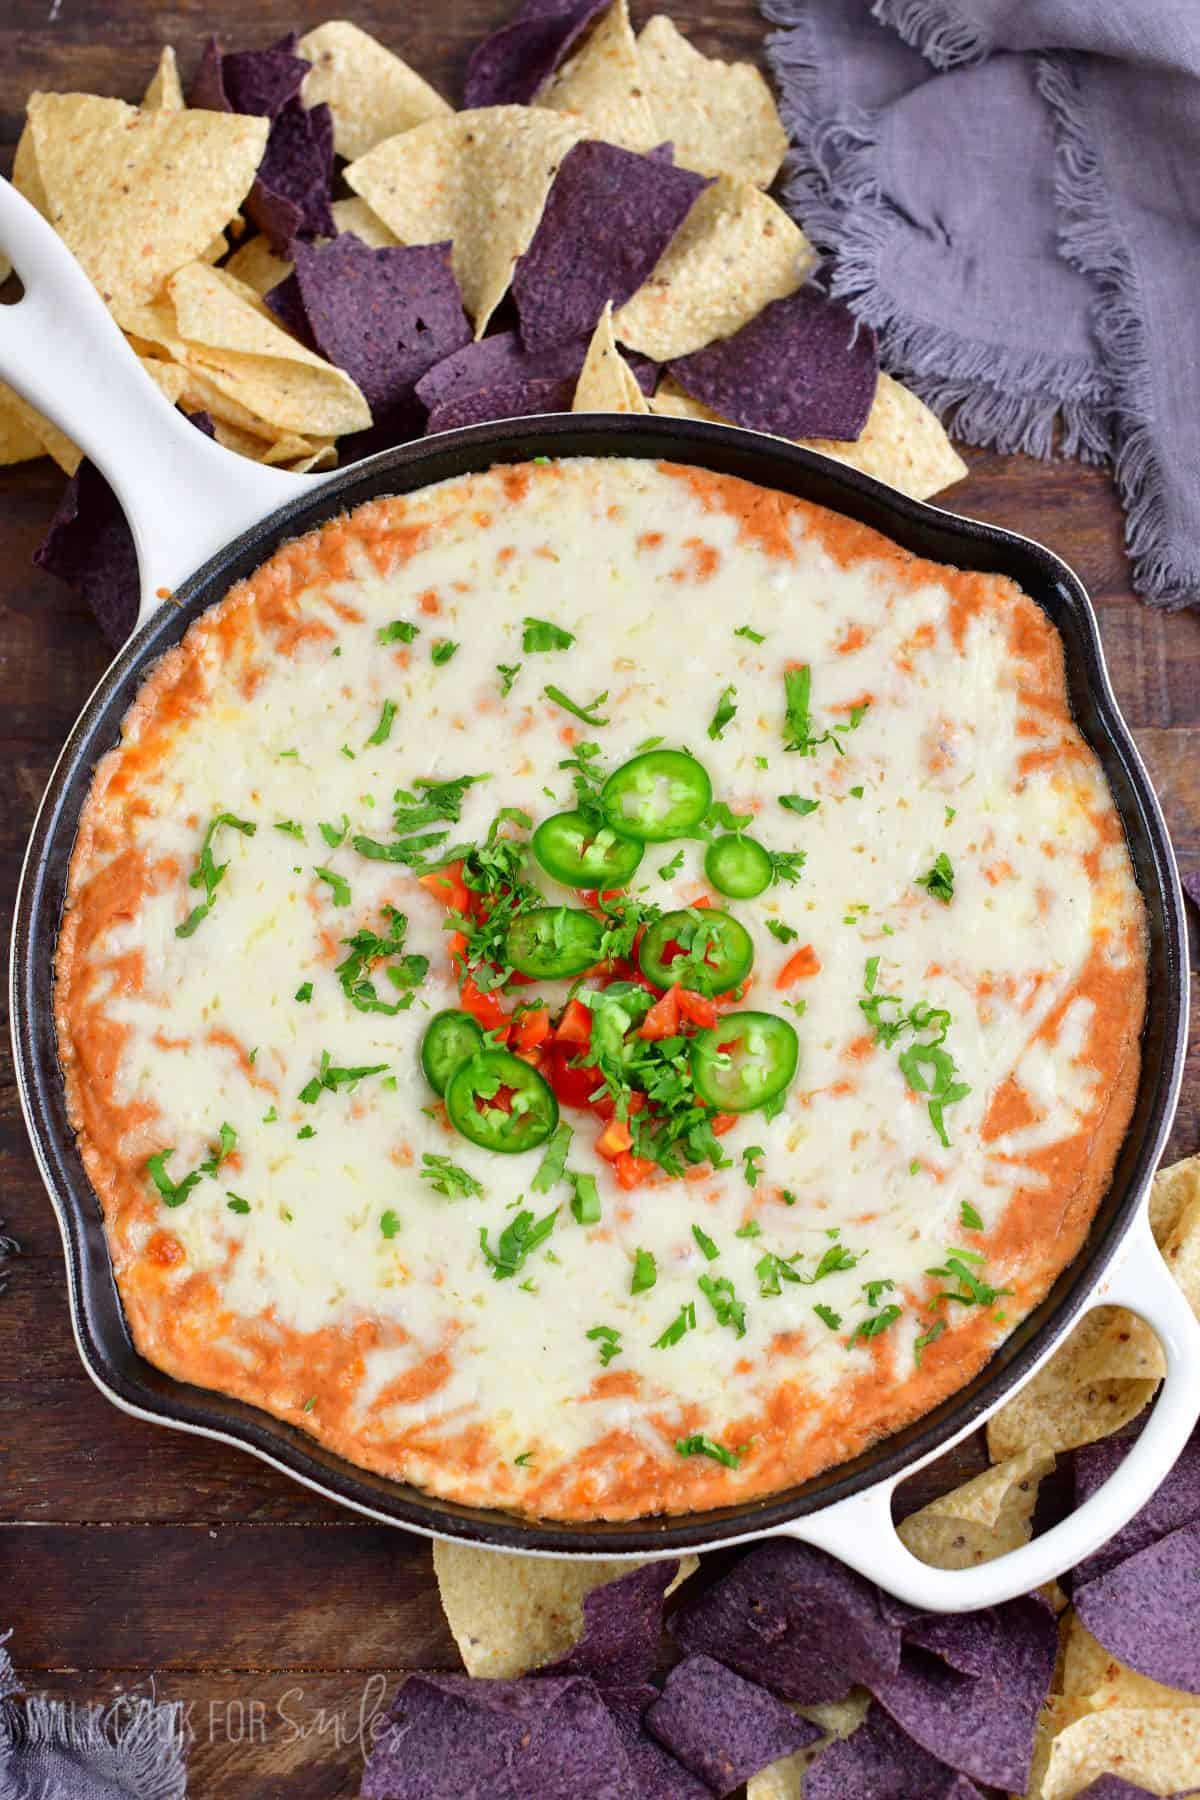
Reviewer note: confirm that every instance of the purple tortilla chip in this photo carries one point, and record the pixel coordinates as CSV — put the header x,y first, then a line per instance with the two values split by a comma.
x,y
290,196
722,1728
622,1629
1146,1610
449,1737
286,303
608,218
1112,1787
515,400
966,1641
795,1619
804,367
89,546
645,371
982,1725
499,361
656,1773
208,87
1175,1503
384,316
263,81
879,1762
509,67
1191,885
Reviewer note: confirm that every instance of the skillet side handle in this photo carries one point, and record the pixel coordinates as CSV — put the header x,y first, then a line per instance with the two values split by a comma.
x,y
183,495
859,1531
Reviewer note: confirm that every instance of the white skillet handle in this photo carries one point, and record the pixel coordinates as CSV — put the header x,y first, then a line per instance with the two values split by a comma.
x,y
860,1532
183,495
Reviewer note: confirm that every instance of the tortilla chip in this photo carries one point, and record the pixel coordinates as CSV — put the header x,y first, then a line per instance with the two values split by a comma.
x,y
1170,1194
1090,1673
479,179
982,1519
606,382
371,93
735,251
508,1614
356,216
1181,1250
19,442
1102,1377
784,1780
719,117
1154,1747
229,333
510,65
165,93
26,176
601,86
136,195
170,378
31,422
257,265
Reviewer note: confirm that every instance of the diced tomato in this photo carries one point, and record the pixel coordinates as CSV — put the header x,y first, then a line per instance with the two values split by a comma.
x,y
593,896
631,1170
722,1122
575,1087
696,1008
535,1058
448,886
485,1009
575,1026
532,1029
798,967
614,1140
663,1018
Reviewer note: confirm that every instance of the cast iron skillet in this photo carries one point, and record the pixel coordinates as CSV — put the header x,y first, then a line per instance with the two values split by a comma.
x,y
187,498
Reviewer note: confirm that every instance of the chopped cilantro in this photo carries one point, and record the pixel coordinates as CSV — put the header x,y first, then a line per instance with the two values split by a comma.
x,y
786,934
645,1272
554,1162
699,1445
752,1156
587,713
304,992
208,873
875,1289
719,1292
871,1327
235,1203
828,1317
926,1338
706,1244
516,1243
726,711
367,948
270,1116
968,1218
389,1223
585,1201
684,1321
174,1193
798,732
939,880
523,1461
399,631
383,730
751,1229
787,865
337,883
306,1131
669,869
927,1067
310,1403
608,1340
755,637
772,1271
798,804
443,650
508,673
290,827
329,1078
856,793
970,1290
951,815
334,834
540,634
445,1177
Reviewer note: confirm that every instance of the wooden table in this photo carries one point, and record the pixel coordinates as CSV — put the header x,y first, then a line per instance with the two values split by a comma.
x,y
133,1558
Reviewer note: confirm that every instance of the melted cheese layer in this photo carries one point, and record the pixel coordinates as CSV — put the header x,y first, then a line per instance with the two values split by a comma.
x,y
394,1342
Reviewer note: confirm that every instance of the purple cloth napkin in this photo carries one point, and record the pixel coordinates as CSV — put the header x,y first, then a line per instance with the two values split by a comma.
x,y
1011,190
50,1750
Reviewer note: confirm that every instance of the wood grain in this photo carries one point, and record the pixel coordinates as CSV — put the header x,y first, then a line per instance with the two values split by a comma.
x,y
130,1554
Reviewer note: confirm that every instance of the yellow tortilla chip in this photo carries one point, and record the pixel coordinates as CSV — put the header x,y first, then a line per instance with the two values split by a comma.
x,y
257,265
606,382
371,93
26,176
170,378
164,93
323,455
1171,1192
735,251
720,117
1089,1673
984,1518
356,216
1102,1377
1181,1250
56,443
1152,1747
480,179
784,1780
136,195
19,442
601,85
508,1614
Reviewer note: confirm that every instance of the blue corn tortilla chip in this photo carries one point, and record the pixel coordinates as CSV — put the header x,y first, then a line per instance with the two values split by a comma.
x,y
981,1725
248,81
804,367
1175,1503
498,361
513,400
966,1641
1146,1610
645,371
385,316
657,1775
721,1727
880,1762
89,546
608,218
622,1629
1113,1787
291,193
795,1619
1191,885
286,303
509,67
449,1737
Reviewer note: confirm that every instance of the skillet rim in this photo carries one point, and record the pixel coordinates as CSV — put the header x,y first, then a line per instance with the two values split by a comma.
x,y
97,1320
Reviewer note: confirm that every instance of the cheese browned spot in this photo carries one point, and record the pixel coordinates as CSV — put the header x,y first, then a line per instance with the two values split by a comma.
x,y
393,1342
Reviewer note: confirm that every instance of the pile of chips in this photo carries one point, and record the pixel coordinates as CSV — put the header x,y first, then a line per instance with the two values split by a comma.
x,y
792,1675
592,232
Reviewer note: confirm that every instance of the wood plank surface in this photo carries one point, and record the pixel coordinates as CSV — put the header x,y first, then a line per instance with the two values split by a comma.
x,y
135,1558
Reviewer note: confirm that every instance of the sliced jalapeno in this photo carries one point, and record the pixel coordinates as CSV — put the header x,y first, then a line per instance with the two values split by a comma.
x,y
450,1037
580,853
553,941
700,948
737,866
744,1061
500,1103
659,795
